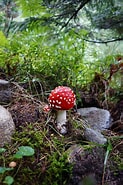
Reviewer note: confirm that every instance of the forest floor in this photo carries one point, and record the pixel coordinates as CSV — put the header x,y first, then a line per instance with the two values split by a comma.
x,y
37,129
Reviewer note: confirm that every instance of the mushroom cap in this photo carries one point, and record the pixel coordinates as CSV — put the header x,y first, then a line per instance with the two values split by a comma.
x,y
46,108
62,98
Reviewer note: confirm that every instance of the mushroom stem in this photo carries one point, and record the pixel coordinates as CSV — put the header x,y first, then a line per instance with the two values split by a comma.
x,y
61,121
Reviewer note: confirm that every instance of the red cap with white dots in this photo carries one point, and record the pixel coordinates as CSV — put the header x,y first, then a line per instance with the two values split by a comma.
x,y
62,98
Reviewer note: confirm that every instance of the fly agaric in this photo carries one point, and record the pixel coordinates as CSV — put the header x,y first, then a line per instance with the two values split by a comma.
x,y
62,98
46,108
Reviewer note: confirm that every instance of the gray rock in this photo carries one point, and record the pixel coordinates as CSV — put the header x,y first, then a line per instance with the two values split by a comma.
x,y
98,119
5,92
94,136
3,82
5,97
74,151
88,164
7,126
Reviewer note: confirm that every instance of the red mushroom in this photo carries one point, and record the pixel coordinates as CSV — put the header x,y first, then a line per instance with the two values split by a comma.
x,y
62,98
46,108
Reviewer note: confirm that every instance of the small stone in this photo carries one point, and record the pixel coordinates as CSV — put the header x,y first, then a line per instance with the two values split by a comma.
x,y
98,119
5,96
5,92
74,152
94,136
7,126
3,82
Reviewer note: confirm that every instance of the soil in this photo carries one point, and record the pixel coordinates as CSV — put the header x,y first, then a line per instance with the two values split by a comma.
x,y
88,169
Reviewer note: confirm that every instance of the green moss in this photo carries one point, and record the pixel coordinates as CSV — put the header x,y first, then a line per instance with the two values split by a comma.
x,y
49,163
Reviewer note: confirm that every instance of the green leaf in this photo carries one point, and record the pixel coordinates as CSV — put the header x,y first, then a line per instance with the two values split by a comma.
x,y
2,150
18,155
24,151
3,39
8,180
4,169
109,148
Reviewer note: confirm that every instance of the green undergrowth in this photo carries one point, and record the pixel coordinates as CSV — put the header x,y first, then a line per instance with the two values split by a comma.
x,y
48,164
117,153
41,158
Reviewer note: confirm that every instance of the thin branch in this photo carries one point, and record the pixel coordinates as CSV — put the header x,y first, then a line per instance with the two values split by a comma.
x,y
76,12
104,42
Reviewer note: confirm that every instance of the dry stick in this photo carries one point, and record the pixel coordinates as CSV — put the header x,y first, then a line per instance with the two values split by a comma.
x,y
82,4
25,94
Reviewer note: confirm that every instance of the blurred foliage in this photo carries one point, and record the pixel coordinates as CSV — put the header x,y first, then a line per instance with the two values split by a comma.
x,y
37,52
65,61
86,14
3,39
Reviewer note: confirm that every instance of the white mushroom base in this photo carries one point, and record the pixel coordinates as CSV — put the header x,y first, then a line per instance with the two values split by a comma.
x,y
61,121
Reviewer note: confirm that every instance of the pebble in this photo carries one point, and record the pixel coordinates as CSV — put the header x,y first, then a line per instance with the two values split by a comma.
x,y
7,126
98,120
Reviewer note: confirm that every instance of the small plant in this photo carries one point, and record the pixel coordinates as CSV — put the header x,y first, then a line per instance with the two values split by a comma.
x,y
59,170
109,149
22,152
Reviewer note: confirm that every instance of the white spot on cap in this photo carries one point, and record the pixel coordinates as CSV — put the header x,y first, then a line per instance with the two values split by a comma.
x,y
57,107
